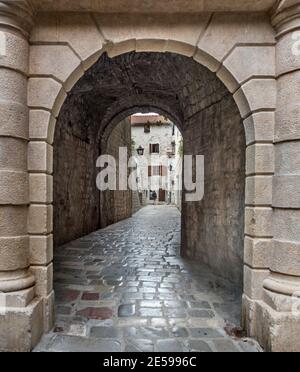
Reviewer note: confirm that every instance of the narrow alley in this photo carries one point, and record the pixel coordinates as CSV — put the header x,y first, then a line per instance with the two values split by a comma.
x,y
125,288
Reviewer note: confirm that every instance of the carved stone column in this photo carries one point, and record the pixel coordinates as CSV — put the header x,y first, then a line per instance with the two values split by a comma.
x,y
20,311
278,317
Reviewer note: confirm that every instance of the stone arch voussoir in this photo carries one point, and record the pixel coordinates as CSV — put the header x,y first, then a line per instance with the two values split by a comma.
x,y
255,95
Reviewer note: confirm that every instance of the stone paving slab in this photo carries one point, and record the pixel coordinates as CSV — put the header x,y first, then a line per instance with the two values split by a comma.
x,y
125,288
75,344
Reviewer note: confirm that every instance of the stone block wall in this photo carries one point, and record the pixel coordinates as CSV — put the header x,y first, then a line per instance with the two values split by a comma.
x,y
76,197
136,201
117,205
78,206
213,229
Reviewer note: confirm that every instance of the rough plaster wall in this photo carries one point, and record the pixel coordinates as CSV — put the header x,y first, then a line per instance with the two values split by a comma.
x,y
213,229
117,205
76,198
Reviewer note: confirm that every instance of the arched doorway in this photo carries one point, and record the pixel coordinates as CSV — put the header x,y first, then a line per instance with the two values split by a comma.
x,y
212,228
62,47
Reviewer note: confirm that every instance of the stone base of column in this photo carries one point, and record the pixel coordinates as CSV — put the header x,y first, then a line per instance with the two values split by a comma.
x,y
248,315
49,312
274,322
21,321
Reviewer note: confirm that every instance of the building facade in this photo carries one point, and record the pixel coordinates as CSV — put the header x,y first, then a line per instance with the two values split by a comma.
x,y
157,144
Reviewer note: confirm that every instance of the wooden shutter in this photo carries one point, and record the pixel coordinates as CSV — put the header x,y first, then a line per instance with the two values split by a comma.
x,y
163,171
149,171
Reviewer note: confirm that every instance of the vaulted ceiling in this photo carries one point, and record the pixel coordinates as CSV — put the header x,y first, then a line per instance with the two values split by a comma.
x,y
172,84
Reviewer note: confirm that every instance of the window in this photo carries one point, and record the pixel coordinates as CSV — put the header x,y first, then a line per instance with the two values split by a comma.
x,y
157,170
173,148
163,171
154,148
147,128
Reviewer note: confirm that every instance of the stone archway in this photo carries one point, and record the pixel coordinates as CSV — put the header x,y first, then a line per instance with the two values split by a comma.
x,y
255,109
264,150
240,48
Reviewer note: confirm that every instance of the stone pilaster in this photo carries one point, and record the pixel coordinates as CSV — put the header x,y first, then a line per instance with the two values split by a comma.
x,y
19,310
279,313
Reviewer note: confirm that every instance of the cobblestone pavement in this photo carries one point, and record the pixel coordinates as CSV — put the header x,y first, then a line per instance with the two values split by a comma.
x,y
125,288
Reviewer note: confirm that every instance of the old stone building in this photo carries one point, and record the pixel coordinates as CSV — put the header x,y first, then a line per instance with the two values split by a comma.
x,y
157,143
226,72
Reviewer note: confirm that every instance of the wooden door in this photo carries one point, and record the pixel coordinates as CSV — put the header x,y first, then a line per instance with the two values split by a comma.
x,y
162,195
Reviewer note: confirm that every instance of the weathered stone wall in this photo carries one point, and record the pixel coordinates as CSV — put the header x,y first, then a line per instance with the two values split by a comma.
x,y
117,205
79,207
137,198
213,229
76,197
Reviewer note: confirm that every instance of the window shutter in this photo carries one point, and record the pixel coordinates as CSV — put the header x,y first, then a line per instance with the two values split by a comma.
x,y
149,171
163,171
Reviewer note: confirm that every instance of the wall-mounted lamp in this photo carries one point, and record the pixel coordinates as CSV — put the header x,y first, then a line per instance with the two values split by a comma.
x,y
140,151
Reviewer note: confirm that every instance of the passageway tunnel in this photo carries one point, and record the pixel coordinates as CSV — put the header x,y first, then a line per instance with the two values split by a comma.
x,y
204,110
